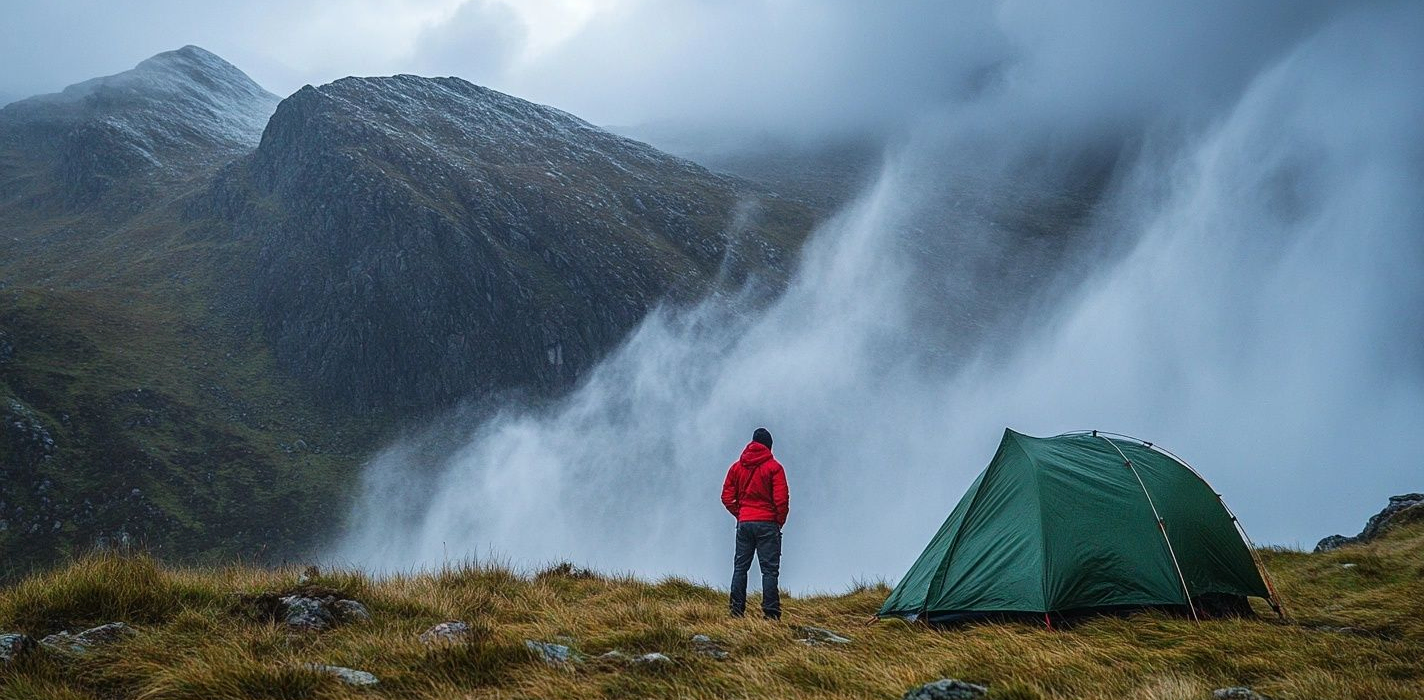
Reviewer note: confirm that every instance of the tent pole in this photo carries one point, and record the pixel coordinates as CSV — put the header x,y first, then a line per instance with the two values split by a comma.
x,y
1162,526
1275,599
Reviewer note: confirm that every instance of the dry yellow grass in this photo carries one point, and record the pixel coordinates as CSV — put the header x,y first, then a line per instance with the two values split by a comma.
x,y
195,642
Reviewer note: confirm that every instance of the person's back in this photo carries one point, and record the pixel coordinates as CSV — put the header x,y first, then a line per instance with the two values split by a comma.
x,y
755,493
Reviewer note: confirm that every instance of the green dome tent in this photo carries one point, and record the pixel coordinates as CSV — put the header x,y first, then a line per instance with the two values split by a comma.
x,y
1076,523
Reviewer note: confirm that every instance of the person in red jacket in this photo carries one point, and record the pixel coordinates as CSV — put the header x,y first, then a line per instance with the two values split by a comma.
x,y
755,493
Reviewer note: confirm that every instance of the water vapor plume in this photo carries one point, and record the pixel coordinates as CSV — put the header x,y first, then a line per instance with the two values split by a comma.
x,y
1225,260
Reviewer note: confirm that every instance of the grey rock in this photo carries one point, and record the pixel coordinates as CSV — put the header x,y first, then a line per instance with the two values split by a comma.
x,y
816,636
306,613
946,689
13,646
652,659
1381,521
26,433
1377,524
1237,693
88,639
349,676
350,611
452,632
613,655
1333,542
550,653
706,646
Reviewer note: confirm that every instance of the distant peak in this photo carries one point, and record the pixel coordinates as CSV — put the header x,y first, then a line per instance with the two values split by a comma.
x,y
188,56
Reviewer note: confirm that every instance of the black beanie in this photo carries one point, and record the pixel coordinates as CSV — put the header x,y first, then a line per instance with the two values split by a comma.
x,y
763,436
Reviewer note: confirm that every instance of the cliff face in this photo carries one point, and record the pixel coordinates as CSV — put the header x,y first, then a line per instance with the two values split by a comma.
x,y
424,239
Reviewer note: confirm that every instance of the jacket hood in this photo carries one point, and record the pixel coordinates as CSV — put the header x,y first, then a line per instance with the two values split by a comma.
x,y
754,454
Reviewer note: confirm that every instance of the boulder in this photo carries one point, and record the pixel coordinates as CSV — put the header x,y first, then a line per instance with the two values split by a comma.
x,y
306,613
14,646
1404,505
88,639
349,676
817,636
350,611
1333,542
315,612
452,632
550,653
946,689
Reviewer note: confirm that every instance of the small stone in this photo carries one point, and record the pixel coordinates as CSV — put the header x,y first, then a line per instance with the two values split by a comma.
x,y
311,573
551,654
815,636
306,613
14,646
705,646
349,676
653,659
351,611
1237,693
452,632
613,655
946,689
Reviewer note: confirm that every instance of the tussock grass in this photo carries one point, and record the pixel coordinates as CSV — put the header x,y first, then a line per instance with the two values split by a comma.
x,y
1358,632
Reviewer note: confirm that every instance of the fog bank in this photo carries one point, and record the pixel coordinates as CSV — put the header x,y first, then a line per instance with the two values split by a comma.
x,y
1240,282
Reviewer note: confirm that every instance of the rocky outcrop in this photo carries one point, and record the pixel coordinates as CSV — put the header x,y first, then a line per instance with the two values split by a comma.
x,y
309,608
1237,693
551,654
1400,508
88,639
946,689
709,647
817,636
452,632
15,646
7,347
312,613
425,239
29,440
349,676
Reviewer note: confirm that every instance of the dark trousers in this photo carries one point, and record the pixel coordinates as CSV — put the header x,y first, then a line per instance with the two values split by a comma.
x,y
764,540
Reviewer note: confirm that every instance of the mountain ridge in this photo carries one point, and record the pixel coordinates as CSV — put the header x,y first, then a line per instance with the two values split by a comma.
x,y
203,339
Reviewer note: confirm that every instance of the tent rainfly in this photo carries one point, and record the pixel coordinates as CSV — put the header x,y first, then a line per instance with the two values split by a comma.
x,y
1081,522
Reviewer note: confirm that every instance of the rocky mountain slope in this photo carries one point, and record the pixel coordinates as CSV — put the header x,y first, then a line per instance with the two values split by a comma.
x,y
159,122
137,402
208,318
423,240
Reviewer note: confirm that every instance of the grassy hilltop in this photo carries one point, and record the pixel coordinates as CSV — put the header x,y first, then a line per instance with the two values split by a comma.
x,y
1358,632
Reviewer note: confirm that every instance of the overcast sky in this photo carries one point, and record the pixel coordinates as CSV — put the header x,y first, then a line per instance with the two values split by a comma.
x,y
788,65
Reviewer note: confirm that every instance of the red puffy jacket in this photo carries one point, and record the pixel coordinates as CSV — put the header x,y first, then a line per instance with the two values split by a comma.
x,y
755,489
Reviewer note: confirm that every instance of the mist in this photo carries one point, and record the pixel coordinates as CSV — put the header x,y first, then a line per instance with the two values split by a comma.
x,y
1237,277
